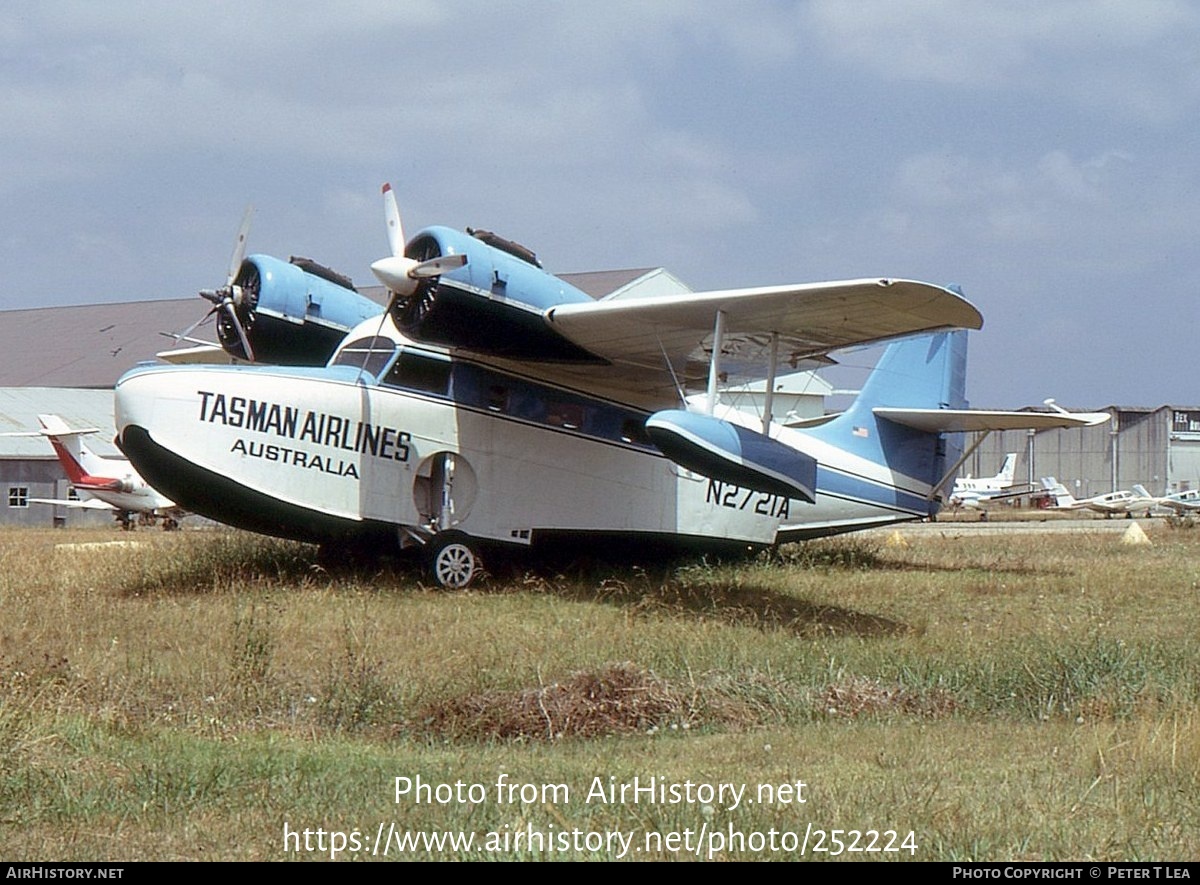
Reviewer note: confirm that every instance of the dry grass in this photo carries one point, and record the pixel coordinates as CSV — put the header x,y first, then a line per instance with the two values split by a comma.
x,y
617,699
861,696
1005,696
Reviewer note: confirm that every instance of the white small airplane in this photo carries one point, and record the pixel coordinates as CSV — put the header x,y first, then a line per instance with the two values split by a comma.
x,y
976,493
493,406
1184,502
103,483
1125,502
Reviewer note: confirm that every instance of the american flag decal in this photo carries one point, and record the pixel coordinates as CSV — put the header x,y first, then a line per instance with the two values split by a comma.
x,y
861,431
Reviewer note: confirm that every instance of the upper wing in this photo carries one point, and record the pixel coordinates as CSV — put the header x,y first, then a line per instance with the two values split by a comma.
x,y
811,320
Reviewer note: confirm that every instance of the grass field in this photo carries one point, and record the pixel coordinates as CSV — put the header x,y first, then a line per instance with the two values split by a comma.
x,y
216,695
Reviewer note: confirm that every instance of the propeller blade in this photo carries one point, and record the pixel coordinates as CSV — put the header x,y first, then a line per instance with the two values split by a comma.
x,y
435,267
239,248
246,348
401,274
395,230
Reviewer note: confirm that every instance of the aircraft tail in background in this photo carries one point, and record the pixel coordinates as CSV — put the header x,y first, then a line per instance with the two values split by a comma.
x,y
1062,498
1007,470
83,467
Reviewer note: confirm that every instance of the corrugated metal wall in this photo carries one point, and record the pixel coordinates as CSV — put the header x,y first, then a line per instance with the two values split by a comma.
x,y
1140,446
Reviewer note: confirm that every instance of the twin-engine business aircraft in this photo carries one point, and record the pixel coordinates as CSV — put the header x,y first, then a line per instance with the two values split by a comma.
x,y
977,493
103,483
492,404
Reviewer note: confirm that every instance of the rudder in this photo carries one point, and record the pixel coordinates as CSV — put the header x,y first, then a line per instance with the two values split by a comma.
x,y
920,372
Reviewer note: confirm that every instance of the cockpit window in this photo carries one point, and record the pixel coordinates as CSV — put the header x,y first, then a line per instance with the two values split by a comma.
x,y
416,371
369,354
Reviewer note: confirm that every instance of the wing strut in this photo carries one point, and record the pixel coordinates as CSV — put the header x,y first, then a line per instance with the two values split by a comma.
x,y
674,377
772,366
714,365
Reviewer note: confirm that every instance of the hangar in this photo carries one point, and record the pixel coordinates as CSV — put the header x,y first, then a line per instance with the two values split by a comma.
x,y
66,360
1158,448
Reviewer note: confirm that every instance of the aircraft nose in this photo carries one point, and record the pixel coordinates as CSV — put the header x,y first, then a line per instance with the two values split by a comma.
x,y
133,402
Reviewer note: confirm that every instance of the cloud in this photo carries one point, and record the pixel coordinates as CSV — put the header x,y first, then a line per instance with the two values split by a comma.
x,y
1108,56
1000,204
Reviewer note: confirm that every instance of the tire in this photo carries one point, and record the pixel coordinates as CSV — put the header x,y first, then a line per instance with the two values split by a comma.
x,y
454,560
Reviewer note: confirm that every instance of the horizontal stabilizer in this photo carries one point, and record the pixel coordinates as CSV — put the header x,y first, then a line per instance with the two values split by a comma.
x,y
724,451
970,420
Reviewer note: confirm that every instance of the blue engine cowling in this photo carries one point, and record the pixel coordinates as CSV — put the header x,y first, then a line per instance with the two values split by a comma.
x,y
293,312
493,304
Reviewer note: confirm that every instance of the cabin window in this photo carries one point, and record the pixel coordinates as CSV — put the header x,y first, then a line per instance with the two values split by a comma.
x,y
369,354
634,431
561,414
427,374
497,400
18,496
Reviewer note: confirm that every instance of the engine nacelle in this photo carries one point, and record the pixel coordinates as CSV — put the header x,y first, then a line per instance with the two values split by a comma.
x,y
292,312
493,304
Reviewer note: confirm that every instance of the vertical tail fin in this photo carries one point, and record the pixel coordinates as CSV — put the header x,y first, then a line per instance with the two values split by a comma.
x,y
925,372
1062,498
77,460
1007,470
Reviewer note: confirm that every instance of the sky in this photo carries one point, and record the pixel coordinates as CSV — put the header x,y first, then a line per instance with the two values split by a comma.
x,y
1044,155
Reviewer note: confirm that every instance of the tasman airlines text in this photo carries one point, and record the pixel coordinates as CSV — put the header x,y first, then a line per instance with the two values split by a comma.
x,y
290,422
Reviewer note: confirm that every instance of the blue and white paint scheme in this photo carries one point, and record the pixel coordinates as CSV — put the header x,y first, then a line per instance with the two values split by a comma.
x,y
491,404
724,451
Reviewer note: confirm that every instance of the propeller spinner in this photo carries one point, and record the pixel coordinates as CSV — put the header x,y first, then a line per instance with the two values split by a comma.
x,y
400,274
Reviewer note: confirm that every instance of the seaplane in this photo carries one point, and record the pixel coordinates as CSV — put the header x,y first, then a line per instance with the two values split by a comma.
x,y
493,408
103,483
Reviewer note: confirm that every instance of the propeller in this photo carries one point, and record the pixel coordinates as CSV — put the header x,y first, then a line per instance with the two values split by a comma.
x,y
229,297
402,275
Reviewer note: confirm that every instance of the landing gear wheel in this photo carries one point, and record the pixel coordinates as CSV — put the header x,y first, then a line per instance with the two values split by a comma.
x,y
454,560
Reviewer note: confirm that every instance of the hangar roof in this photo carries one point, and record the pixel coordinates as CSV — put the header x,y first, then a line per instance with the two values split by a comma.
x,y
89,345
20,406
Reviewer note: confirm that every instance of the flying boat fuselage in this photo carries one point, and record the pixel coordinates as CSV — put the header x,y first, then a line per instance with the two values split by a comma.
x,y
432,443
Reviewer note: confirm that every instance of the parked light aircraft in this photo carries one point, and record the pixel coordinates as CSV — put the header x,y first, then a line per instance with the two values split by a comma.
x,y
976,493
1125,502
1187,501
492,405
103,483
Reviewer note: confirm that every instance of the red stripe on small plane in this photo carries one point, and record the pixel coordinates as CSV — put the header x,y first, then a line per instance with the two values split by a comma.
x,y
77,475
